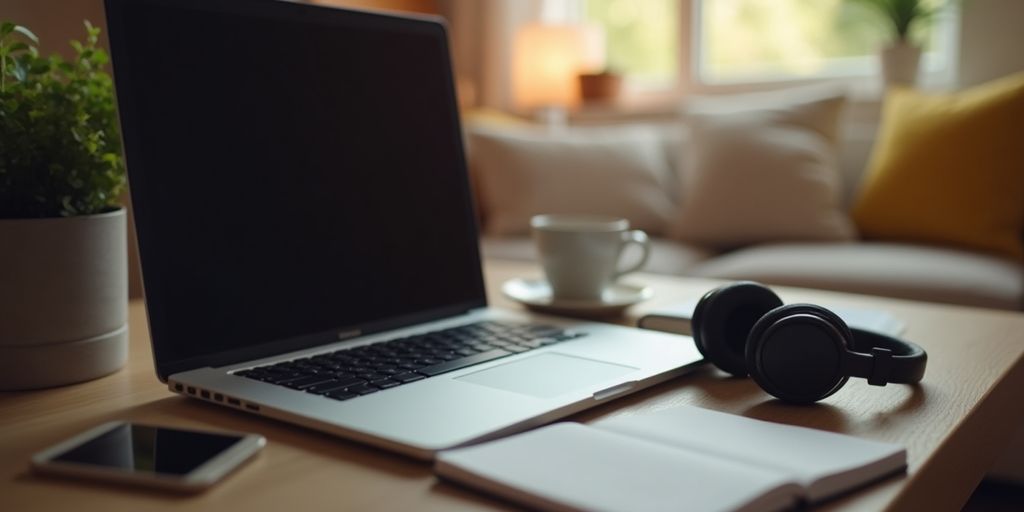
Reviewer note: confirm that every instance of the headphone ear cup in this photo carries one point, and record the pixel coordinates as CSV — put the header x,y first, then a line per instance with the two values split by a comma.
x,y
771,317
795,352
723,319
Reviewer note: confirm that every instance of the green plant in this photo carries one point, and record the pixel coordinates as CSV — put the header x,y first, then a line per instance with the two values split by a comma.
x,y
60,148
903,14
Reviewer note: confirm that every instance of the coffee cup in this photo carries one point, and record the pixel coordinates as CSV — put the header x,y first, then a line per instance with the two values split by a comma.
x,y
581,254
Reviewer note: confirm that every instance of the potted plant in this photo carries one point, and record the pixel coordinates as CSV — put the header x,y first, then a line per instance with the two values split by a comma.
x,y
901,57
63,247
601,87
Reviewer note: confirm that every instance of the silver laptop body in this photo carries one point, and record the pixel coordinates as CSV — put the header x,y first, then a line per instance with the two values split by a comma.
x,y
301,189
469,405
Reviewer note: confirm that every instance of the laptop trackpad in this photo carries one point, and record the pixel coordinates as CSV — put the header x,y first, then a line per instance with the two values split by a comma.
x,y
547,375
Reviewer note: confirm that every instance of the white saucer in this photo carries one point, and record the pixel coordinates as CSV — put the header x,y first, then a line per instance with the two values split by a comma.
x,y
536,295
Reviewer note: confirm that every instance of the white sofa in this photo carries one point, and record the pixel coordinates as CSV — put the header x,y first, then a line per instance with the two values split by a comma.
x,y
892,269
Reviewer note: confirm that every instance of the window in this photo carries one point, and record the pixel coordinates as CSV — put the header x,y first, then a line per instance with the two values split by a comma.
x,y
642,39
770,40
704,44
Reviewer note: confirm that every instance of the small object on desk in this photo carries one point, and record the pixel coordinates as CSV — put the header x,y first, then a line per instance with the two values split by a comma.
x,y
536,294
582,254
152,456
676,319
800,353
686,458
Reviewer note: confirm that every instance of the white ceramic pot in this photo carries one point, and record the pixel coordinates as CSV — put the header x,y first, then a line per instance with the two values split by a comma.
x,y
900,63
63,299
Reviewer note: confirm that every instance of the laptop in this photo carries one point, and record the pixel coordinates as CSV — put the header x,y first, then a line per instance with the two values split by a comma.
x,y
308,239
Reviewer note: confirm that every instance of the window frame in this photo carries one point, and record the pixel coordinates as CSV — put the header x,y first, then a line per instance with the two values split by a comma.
x,y
939,68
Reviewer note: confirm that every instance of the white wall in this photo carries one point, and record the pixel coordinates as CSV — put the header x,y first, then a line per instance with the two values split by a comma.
x,y
991,40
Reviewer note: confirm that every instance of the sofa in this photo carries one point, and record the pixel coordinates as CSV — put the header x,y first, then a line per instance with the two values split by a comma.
x,y
907,269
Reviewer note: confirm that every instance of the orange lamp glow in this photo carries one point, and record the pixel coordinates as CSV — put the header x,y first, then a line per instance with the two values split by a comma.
x,y
546,61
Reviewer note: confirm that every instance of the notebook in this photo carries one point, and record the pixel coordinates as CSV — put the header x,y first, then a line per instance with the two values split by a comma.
x,y
676,318
308,239
686,458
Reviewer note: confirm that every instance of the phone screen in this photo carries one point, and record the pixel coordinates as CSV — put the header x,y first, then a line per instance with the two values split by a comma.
x,y
146,449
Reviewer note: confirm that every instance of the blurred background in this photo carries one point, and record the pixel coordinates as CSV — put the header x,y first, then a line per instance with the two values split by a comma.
x,y
665,49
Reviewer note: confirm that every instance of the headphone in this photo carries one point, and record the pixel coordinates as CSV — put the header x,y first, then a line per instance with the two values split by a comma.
x,y
799,353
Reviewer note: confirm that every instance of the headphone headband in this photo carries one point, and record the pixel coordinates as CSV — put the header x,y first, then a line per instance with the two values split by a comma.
x,y
883,359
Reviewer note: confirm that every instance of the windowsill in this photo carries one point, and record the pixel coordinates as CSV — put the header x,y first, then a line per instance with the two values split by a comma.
x,y
865,96
627,109
668,106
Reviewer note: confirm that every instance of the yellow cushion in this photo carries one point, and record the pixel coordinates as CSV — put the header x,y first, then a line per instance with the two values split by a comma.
x,y
949,169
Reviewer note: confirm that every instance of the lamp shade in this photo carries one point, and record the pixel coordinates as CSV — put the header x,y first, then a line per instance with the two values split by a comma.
x,y
546,61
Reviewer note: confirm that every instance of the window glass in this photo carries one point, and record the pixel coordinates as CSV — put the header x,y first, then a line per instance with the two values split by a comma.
x,y
750,41
760,40
642,39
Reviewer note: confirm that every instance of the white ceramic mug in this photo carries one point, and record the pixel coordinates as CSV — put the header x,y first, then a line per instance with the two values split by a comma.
x,y
580,253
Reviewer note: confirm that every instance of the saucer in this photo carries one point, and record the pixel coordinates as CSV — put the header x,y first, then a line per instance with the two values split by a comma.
x,y
536,295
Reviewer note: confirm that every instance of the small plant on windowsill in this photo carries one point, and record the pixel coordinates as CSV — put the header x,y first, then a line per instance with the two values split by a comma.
x,y
602,87
63,262
901,56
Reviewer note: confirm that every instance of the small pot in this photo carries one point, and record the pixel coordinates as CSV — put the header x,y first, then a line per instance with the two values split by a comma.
x,y
600,87
900,63
63,299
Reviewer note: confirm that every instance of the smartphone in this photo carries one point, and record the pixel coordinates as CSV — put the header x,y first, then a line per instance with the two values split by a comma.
x,y
161,457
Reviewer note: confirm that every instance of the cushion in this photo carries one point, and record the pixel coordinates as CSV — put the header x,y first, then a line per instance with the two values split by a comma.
x,y
619,171
474,119
763,168
917,272
949,169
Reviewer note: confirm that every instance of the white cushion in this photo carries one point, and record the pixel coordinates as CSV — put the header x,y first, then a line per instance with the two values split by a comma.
x,y
619,171
762,168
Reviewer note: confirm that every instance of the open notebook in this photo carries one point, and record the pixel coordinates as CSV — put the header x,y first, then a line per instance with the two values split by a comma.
x,y
685,458
677,318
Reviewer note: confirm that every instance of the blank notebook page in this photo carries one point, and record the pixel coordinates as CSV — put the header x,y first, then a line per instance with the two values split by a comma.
x,y
568,466
824,462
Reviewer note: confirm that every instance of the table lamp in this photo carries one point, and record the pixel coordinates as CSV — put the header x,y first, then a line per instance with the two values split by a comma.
x,y
547,59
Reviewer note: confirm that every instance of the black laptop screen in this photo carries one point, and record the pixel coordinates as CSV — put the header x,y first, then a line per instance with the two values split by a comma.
x,y
296,171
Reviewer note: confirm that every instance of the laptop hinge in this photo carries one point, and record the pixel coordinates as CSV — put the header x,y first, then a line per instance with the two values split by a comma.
x,y
349,334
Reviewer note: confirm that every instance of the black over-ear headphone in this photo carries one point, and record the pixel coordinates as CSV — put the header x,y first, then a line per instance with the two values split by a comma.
x,y
798,352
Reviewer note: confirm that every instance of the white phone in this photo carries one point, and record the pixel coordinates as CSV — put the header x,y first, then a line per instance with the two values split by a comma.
x,y
167,458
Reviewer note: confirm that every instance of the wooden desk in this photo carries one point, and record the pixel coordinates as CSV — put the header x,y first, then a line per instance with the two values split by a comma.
x,y
953,425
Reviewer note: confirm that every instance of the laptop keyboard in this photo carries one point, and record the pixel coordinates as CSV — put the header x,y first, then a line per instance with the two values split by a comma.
x,y
348,373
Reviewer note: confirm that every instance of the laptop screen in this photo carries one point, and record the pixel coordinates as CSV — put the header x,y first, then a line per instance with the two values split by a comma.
x,y
296,172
